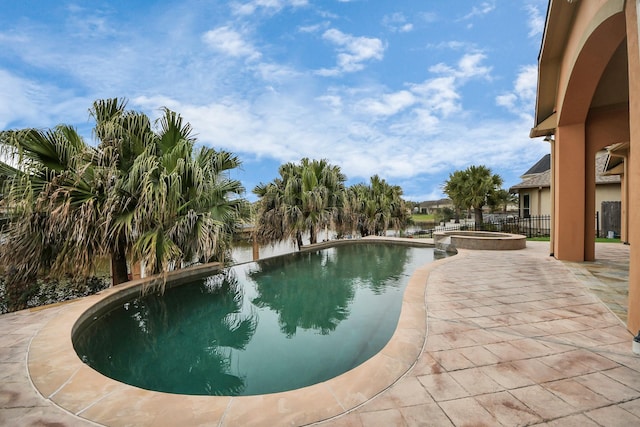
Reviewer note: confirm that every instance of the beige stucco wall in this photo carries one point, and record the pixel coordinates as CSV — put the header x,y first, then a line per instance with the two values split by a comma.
x,y
607,193
540,199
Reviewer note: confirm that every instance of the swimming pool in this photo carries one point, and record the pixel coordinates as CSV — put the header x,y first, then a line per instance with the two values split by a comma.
x,y
257,328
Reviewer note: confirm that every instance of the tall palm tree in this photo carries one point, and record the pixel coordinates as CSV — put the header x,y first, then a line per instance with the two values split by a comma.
x,y
190,205
374,208
472,188
52,198
141,194
302,200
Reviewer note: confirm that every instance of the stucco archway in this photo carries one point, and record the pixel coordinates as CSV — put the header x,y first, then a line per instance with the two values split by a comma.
x,y
590,117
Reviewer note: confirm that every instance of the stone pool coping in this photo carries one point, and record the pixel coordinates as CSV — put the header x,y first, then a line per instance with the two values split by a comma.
x,y
62,378
450,241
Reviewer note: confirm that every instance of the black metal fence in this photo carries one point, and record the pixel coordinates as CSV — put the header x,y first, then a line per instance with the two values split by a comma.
x,y
533,226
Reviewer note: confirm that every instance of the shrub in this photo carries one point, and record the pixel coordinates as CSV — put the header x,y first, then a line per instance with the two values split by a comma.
x,y
18,296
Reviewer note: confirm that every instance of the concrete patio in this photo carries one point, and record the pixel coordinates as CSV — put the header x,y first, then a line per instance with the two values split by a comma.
x,y
513,338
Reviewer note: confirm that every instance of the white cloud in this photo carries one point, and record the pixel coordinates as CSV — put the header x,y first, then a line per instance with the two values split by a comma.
x,y
270,6
397,22
230,42
277,73
469,66
521,100
483,9
439,95
18,101
536,20
313,28
352,51
388,105
452,45
26,103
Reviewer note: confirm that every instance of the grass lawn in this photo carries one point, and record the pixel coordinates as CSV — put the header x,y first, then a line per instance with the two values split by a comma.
x,y
423,218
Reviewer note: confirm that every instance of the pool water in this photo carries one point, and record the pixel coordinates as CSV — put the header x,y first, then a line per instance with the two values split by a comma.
x,y
256,328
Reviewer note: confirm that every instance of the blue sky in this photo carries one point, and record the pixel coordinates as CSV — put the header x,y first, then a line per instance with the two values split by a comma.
x,y
409,90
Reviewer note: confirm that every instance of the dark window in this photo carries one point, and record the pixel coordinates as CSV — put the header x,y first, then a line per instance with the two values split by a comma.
x,y
525,206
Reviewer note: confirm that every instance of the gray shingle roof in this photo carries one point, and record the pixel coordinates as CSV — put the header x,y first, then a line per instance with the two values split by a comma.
x,y
544,164
543,179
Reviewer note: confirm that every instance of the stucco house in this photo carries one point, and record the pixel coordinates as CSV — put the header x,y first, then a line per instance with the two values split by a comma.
x,y
534,191
588,98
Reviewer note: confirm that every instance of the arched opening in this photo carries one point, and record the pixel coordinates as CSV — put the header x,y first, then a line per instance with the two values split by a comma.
x,y
593,114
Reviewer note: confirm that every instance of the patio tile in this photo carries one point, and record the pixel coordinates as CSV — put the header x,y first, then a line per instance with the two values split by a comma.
x,y
475,381
468,412
45,415
626,376
479,355
485,336
507,375
514,332
507,409
537,371
578,420
506,352
605,386
426,415
18,394
597,362
425,365
607,335
533,347
442,387
613,416
438,342
408,392
567,363
458,339
621,354
560,326
349,420
632,406
452,360
386,418
544,403
487,310
576,394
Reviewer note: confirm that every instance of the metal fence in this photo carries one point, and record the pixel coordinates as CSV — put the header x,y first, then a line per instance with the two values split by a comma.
x,y
533,226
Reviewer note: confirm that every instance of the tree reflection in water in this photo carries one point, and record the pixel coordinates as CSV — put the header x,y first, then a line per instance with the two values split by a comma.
x,y
180,341
320,314
316,293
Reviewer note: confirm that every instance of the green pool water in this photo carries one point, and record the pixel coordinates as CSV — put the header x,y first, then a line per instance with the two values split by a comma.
x,y
257,328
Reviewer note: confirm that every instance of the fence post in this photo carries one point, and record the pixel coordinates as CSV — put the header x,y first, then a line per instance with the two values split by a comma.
x,y
597,224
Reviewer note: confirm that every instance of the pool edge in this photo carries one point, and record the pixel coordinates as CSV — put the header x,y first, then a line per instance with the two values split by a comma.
x,y
61,377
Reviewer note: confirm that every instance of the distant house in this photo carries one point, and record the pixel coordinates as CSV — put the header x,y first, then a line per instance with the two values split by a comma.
x,y
432,206
535,189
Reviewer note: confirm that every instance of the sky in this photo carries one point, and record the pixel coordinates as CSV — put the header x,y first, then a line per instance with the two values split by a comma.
x,y
409,90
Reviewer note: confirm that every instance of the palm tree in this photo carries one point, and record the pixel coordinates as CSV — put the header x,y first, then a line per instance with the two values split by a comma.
x,y
190,206
373,209
501,199
52,199
140,194
455,188
472,188
302,200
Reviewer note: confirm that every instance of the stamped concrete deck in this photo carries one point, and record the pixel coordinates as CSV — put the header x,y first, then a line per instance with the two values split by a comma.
x,y
512,338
